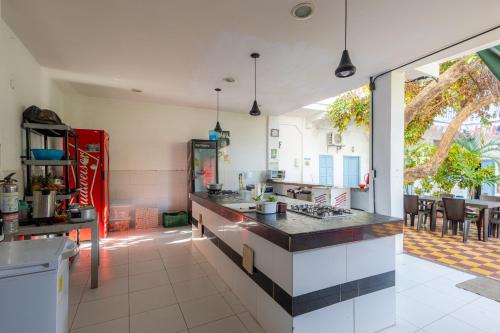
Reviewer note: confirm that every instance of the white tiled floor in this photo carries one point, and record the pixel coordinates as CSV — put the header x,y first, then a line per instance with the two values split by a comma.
x,y
156,281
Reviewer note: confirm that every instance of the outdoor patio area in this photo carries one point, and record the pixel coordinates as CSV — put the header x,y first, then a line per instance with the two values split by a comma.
x,y
474,256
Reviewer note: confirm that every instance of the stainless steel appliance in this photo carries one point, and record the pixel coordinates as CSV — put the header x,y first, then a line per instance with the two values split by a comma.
x,y
223,194
275,174
44,204
319,211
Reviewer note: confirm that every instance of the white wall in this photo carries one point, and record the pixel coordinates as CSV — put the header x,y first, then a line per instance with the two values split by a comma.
x,y
148,147
302,143
22,83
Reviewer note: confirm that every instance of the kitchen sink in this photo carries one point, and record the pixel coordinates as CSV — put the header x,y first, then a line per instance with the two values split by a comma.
x,y
242,206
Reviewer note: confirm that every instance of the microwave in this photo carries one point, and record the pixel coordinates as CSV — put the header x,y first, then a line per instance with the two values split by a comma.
x,y
276,174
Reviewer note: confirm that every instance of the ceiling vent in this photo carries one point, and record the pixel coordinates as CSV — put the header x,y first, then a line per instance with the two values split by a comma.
x,y
303,11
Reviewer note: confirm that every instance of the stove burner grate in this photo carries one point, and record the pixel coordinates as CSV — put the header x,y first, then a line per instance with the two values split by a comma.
x,y
319,211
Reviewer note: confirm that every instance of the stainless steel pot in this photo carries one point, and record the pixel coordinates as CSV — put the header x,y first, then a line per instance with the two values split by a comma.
x,y
214,187
82,214
44,204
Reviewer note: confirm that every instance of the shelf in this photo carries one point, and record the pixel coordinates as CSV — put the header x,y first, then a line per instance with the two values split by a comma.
x,y
49,130
58,196
48,162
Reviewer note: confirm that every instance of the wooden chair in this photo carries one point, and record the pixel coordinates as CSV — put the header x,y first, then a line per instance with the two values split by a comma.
x,y
412,208
455,212
494,227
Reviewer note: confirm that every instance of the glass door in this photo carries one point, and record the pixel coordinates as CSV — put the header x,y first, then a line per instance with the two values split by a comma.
x,y
204,165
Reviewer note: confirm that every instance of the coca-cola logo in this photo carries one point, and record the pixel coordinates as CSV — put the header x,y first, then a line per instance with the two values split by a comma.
x,y
84,179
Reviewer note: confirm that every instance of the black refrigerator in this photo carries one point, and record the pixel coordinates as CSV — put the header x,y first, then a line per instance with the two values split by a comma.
x,y
202,167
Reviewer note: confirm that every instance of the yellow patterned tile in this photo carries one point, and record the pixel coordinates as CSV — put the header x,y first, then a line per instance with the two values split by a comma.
x,y
482,259
447,261
481,271
470,263
462,257
492,265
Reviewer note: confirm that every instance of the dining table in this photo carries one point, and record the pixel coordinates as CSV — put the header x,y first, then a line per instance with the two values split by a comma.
x,y
483,205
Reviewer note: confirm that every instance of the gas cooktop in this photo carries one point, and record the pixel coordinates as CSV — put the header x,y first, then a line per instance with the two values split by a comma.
x,y
319,211
222,194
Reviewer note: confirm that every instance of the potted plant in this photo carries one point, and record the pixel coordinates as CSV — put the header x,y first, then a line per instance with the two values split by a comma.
x,y
265,206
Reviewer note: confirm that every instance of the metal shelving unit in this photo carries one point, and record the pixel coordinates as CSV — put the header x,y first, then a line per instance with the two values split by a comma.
x,y
63,132
49,162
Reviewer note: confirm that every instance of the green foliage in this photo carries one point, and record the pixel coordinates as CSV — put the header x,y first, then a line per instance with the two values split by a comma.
x,y
418,154
486,150
272,198
463,168
353,106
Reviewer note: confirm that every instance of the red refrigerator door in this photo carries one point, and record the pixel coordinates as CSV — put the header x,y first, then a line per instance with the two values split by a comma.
x,y
93,157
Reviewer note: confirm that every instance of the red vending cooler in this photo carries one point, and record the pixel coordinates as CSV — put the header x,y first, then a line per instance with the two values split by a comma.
x,y
93,168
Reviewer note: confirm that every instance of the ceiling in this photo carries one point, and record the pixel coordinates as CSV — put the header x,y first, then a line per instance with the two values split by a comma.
x,y
178,51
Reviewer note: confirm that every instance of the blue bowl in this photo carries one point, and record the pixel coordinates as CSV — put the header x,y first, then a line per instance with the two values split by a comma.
x,y
47,154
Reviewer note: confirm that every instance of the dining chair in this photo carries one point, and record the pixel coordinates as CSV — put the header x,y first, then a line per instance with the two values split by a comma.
x,y
412,208
439,206
455,212
494,227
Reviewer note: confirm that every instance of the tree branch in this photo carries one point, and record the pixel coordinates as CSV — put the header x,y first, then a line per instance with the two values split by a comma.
x,y
433,89
431,167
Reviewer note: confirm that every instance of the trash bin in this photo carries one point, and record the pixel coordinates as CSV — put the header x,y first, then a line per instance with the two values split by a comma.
x,y
175,219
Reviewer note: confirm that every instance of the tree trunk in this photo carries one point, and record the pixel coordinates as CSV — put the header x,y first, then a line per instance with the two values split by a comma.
x,y
431,167
433,89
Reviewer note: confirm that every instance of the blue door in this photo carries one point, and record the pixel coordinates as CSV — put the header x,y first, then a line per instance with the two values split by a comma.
x,y
351,171
326,170
487,188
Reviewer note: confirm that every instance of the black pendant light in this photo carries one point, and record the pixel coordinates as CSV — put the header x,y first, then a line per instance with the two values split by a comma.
x,y
218,128
345,67
255,107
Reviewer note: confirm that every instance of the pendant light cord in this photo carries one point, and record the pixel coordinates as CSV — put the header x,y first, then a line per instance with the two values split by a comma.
x,y
345,25
217,106
255,79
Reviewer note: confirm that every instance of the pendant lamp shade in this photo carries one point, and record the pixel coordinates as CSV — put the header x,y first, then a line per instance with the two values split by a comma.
x,y
217,127
345,67
255,111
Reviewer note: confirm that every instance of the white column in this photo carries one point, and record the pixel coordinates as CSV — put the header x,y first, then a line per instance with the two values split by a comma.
x,y
388,146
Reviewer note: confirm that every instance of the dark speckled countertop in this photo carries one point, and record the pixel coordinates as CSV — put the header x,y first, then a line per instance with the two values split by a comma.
x,y
296,232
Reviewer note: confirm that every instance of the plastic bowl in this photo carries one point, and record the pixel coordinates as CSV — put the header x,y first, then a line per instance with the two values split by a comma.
x,y
47,154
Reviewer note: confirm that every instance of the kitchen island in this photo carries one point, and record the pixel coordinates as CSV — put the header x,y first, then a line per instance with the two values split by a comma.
x,y
308,274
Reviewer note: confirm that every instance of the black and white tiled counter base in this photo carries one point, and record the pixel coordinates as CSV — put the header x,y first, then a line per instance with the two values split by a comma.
x,y
339,288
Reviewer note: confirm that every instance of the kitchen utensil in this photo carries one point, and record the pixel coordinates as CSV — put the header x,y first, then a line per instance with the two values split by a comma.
x,y
81,214
9,197
44,204
47,154
282,206
214,187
